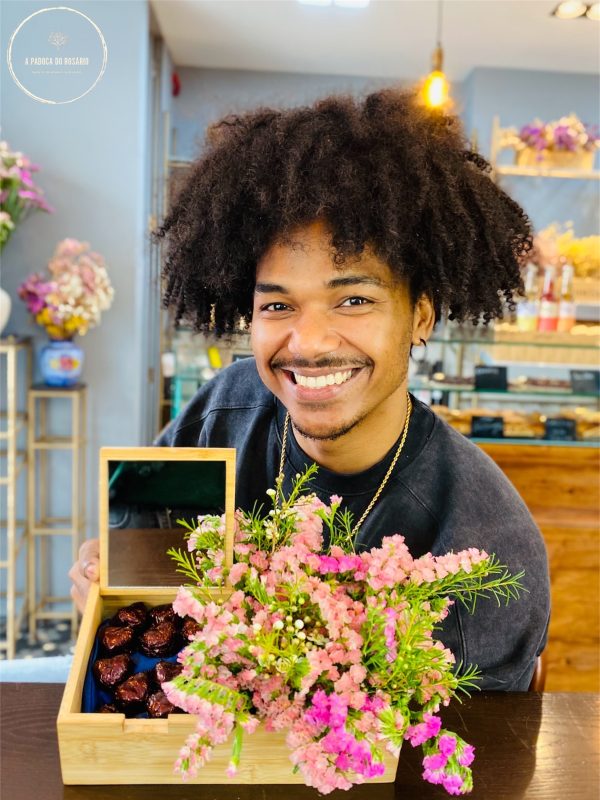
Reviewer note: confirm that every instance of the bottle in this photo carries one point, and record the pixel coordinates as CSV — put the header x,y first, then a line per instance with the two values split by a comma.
x,y
566,305
548,319
528,308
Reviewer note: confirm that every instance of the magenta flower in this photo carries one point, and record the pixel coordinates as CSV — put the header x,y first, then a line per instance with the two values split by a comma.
x,y
466,756
446,745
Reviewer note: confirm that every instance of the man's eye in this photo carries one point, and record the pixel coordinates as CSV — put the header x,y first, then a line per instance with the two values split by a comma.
x,y
355,301
274,307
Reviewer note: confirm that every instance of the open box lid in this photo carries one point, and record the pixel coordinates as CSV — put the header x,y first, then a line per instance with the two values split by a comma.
x,y
143,492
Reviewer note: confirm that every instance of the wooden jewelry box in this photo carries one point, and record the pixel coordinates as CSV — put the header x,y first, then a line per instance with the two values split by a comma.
x,y
164,483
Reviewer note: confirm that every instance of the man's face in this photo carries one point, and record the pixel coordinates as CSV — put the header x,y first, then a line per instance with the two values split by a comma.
x,y
331,343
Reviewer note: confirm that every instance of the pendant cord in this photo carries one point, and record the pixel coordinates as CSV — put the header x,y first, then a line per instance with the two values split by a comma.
x,y
386,477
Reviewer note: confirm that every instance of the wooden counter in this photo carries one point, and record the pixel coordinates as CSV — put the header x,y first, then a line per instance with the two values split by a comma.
x,y
561,486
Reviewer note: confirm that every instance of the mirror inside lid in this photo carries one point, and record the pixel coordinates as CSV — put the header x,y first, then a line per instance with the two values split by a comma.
x,y
144,492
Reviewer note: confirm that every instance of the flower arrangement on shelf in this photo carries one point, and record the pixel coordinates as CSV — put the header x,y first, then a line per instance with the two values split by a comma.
x,y
557,244
563,142
18,193
70,300
333,646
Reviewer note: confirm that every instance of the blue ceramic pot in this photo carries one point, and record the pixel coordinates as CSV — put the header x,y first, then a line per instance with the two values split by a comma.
x,y
61,363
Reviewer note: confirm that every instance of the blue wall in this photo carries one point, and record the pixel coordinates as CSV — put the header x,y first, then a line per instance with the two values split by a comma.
x,y
93,154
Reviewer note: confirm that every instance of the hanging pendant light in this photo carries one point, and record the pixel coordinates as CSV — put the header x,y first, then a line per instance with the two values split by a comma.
x,y
436,89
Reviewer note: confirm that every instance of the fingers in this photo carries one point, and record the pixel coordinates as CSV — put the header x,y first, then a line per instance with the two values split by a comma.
x,y
89,550
84,572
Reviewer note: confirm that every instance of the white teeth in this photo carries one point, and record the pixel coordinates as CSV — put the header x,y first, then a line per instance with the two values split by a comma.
x,y
322,380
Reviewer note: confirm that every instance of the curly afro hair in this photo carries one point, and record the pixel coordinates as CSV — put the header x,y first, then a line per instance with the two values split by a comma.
x,y
382,172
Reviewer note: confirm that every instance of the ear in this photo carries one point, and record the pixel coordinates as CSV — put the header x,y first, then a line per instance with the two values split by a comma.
x,y
423,320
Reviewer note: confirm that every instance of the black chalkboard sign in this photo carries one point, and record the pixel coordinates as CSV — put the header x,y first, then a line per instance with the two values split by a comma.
x,y
585,381
490,378
487,427
561,430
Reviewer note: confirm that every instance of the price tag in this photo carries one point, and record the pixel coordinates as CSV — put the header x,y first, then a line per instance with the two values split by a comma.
x,y
561,430
487,427
585,381
490,378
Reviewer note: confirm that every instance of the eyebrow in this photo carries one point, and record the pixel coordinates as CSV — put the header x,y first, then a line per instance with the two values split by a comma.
x,y
334,283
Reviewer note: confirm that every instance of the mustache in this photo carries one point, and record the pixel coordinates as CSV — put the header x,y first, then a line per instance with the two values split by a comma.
x,y
330,362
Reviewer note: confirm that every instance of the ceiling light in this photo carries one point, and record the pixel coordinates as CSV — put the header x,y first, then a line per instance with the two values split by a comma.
x,y
436,89
593,12
570,9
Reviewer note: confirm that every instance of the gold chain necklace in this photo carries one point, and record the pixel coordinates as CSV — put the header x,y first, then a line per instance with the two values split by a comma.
x,y
386,477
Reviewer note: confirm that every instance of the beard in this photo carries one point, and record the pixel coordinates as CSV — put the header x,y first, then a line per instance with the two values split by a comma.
x,y
331,435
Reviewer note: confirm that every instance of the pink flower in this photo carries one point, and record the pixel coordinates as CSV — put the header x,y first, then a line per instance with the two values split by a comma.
x,y
237,572
453,783
446,745
430,727
436,761
466,755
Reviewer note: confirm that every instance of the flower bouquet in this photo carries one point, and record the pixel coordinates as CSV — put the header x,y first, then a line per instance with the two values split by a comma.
x,y
70,300
565,143
18,192
336,648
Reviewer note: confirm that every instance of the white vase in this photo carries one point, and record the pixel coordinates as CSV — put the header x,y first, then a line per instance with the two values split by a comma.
x,y
5,306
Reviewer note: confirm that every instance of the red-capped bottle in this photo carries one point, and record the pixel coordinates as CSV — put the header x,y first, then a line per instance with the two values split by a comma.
x,y
548,319
566,306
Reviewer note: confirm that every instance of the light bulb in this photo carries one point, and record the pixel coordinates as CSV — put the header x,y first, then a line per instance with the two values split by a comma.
x,y
435,90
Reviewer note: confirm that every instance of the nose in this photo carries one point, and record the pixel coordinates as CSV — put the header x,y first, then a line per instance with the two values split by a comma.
x,y
311,336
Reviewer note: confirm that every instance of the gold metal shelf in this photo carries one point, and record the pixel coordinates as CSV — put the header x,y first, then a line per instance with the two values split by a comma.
x,y
43,526
16,376
546,172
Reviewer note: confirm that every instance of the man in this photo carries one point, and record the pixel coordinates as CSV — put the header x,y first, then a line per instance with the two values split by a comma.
x,y
340,233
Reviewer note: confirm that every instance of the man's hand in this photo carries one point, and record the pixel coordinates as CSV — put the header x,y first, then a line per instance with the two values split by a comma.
x,y
85,571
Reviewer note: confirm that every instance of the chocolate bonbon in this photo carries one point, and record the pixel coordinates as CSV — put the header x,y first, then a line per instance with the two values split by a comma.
x,y
165,671
111,671
190,628
132,693
115,639
157,705
134,616
164,613
161,640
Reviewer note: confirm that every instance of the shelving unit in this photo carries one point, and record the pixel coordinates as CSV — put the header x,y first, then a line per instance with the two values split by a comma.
x,y
42,525
15,363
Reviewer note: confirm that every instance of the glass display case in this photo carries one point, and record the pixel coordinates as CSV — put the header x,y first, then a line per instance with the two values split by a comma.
x,y
501,384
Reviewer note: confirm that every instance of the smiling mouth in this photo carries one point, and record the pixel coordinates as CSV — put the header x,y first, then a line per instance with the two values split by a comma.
x,y
320,381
